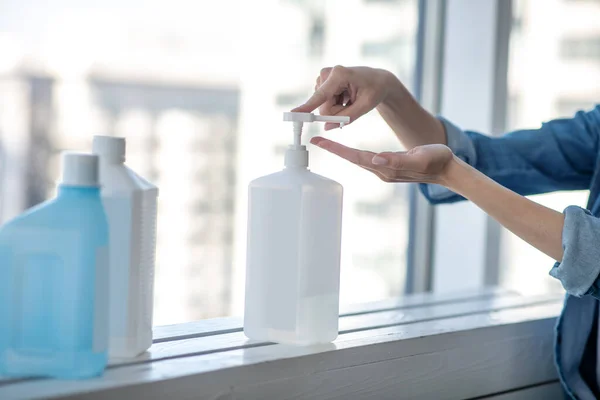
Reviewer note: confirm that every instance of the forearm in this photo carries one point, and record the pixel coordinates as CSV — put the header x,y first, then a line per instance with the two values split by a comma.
x,y
411,123
539,226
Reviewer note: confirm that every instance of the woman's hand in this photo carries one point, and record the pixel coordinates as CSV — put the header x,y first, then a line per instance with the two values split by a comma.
x,y
355,91
538,225
350,92
423,164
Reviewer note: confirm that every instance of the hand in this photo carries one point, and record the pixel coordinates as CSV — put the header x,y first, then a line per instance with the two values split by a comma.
x,y
422,164
350,92
434,163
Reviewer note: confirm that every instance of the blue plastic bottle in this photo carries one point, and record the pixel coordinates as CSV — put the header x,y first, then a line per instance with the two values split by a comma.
x,y
53,281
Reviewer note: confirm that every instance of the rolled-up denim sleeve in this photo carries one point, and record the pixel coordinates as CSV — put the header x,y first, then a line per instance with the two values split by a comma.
x,y
580,266
462,146
560,155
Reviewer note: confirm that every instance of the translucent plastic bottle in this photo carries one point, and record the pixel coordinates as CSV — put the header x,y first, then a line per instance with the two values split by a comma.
x,y
53,281
131,206
293,253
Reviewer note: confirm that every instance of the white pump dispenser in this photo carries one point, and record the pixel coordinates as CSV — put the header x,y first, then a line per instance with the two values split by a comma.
x,y
297,155
293,254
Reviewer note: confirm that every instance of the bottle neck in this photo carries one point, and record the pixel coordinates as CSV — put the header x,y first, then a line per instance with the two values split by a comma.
x,y
78,191
296,157
110,159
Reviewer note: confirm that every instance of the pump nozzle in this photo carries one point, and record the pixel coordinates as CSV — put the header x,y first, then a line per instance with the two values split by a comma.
x,y
309,117
299,118
296,155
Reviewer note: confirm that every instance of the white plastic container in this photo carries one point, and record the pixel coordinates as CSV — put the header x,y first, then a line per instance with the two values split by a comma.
x,y
293,254
130,203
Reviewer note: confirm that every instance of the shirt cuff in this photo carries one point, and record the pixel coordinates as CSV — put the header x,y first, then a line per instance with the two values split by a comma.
x,y
462,146
580,267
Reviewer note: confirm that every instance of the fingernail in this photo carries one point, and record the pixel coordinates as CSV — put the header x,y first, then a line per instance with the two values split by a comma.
x,y
378,160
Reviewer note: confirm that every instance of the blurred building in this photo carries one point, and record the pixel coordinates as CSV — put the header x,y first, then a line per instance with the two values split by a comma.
x,y
176,100
181,137
555,59
26,104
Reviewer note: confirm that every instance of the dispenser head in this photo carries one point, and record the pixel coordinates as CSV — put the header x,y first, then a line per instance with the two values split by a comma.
x,y
310,117
296,155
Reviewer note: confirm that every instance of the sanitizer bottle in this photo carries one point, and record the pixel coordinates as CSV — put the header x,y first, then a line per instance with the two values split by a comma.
x,y
293,253
53,281
131,206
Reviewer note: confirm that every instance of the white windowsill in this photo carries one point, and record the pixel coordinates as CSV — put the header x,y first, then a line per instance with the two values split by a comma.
x,y
472,344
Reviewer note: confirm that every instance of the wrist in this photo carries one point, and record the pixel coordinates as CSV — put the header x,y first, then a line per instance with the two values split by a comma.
x,y
395,92
455,174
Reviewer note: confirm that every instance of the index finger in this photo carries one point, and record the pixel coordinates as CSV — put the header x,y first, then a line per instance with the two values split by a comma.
x,y
315,101
325,92
361,158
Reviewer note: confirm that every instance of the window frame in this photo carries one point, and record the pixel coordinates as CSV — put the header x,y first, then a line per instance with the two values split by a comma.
x,y
474,96
428,80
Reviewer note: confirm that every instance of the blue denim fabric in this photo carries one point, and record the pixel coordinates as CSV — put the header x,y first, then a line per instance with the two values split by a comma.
x,y
561,155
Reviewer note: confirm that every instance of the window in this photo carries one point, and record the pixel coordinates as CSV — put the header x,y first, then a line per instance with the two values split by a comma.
x,y
384,1
542,49
198,89
567,106
582,1
580,48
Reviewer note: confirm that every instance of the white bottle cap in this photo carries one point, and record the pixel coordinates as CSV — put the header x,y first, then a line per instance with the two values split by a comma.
x,y
80,169
296,156
109,148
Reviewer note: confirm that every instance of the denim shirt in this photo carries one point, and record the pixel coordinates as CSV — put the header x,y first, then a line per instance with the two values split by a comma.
x,y
563,154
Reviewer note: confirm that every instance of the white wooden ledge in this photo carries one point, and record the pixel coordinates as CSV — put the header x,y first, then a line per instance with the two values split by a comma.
x,y
488,343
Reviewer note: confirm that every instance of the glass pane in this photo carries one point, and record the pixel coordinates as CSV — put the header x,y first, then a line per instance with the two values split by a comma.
x,y
554,71
198,88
